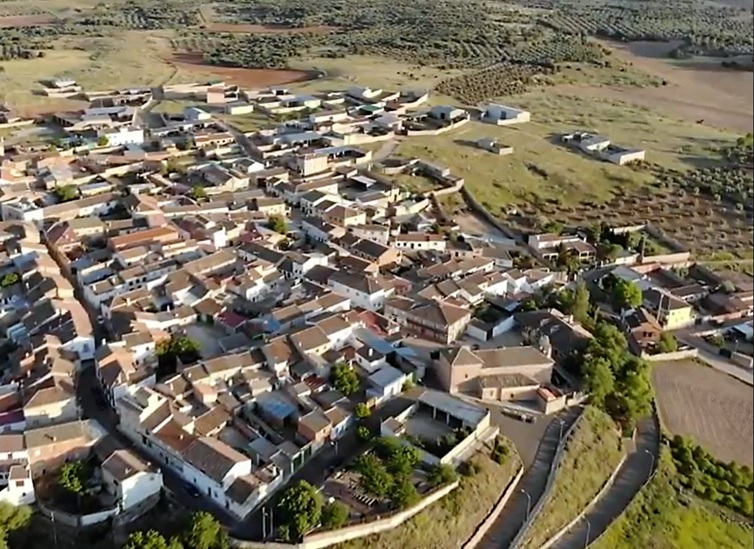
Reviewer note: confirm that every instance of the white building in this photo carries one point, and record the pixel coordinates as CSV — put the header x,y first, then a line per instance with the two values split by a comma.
x,y
501,115
367,292
131,480
122,136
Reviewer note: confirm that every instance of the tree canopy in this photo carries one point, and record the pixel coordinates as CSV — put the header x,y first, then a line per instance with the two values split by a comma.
x,y
299,510
277,223
66,193
334,515
150,539
205,532
197,192
72,477
626,295
345,378
616,380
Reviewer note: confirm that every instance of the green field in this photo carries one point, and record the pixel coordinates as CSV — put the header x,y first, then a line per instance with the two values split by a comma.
x,y
448,523
660,517
591,456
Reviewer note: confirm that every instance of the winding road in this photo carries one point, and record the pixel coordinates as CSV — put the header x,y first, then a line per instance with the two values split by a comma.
x,y
632,475
532,485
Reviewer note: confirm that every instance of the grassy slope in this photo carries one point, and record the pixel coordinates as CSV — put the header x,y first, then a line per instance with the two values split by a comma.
x,y
658,518
449,522
591,456
540,168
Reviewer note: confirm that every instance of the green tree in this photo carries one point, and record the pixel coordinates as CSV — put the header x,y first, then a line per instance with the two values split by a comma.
x,y
363,433
667,343
66,193
72,477
375,478
608,342
300,509
403,461
626,295
441,474
580,303
404,493
9,279
175,543
598,379
103,141
197,192
362,411
12,519
205,532
334,515
277,223
150,539
344,378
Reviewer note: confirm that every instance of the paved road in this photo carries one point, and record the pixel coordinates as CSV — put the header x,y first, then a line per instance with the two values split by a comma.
x,y
504,529
631,477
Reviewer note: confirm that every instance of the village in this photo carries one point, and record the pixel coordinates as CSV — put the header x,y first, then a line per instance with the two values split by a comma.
x,y
219,314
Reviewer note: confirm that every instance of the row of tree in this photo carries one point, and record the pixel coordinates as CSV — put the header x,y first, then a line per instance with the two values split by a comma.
x,y
727,484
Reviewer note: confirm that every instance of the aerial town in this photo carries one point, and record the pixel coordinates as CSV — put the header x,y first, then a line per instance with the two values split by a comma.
x,y
232,319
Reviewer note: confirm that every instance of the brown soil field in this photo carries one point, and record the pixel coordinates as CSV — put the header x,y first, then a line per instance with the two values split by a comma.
x,y
245,78
715,409
26,21
695,90
265,29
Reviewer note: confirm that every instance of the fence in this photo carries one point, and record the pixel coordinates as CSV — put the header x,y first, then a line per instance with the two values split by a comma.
x,y
548,485
605,487
485,525
341,535
77,521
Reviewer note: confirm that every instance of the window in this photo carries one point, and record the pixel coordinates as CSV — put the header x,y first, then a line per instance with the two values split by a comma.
x,y
19,484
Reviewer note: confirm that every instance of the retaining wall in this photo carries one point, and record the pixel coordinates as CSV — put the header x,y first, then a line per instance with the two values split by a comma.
x,y
341,535
677,355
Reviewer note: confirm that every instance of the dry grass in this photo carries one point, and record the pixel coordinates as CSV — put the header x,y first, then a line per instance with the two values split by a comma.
x,y
591,456
378,72
715,409
545,181
451,521
133,58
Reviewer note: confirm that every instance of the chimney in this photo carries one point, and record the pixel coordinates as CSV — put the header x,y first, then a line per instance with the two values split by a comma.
x,y
370,352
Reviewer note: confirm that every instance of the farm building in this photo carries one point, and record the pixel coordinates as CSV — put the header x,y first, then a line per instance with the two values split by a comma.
x,y
490,144
601,147
500,115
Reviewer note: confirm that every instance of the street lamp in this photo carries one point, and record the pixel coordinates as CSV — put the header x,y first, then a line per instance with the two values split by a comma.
x,y
588,531
528,503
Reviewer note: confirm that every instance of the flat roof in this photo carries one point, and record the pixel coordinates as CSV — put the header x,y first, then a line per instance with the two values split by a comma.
x,y
466,412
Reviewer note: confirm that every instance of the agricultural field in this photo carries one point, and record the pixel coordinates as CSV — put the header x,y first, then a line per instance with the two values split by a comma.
x,y
590,458
714,409
662,517
448,523
701,26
